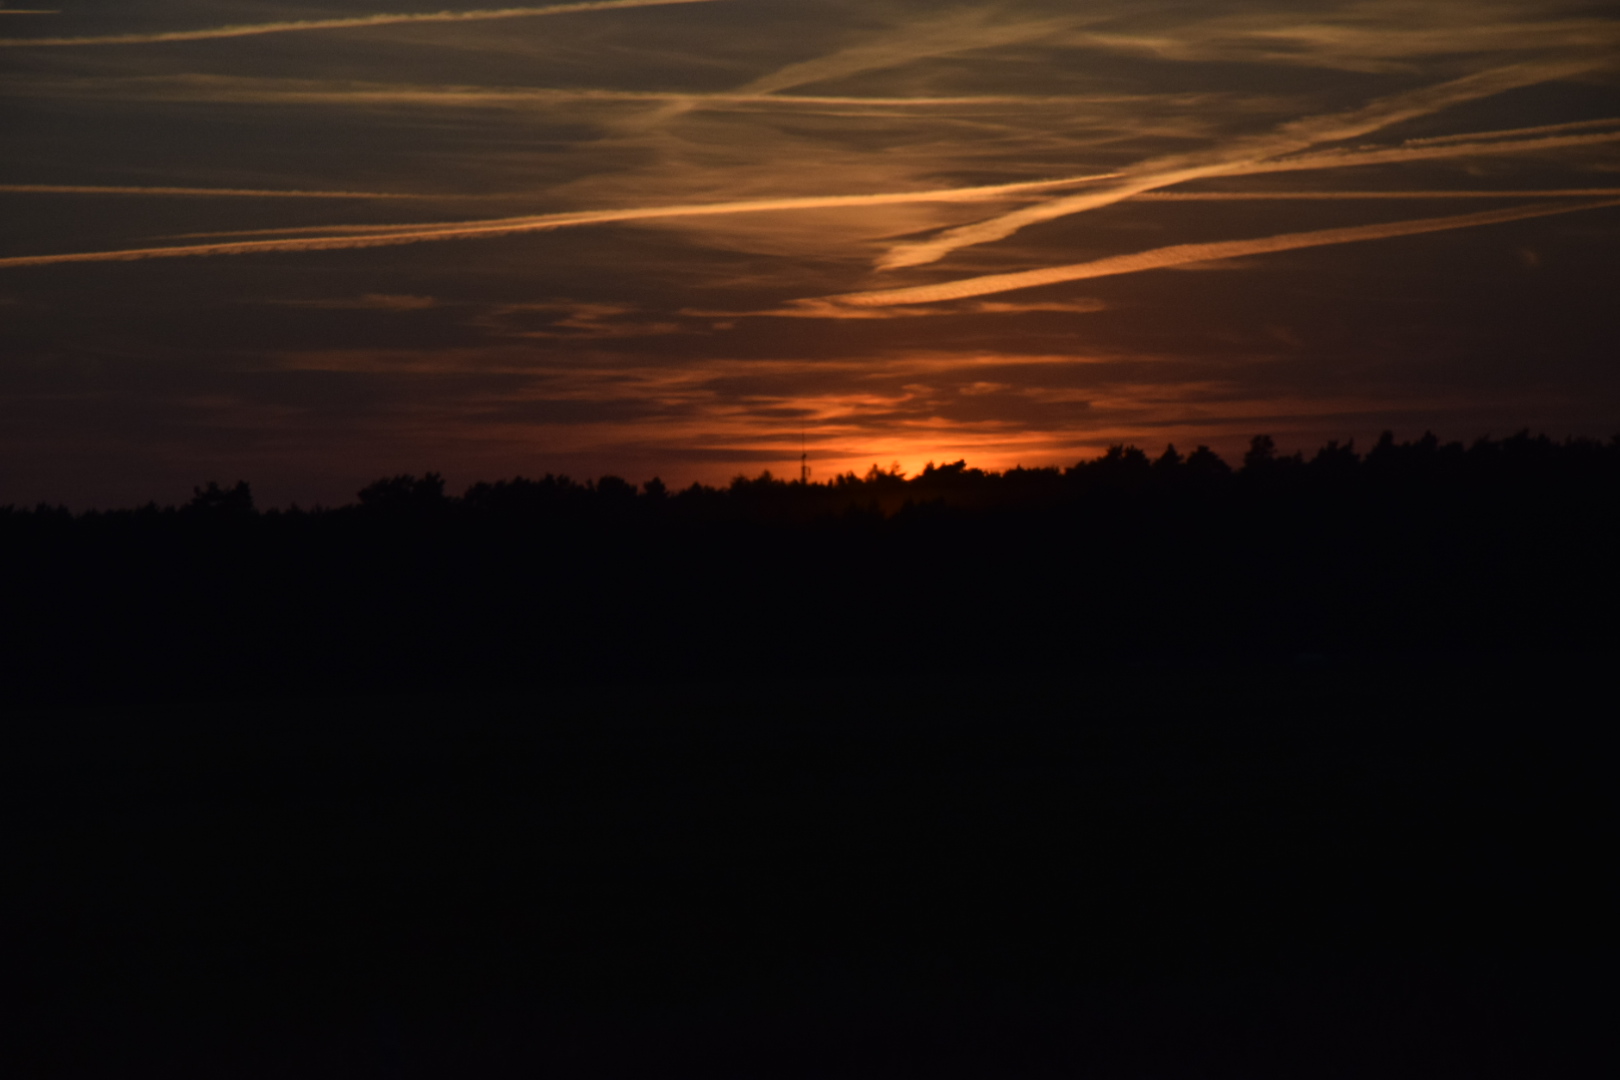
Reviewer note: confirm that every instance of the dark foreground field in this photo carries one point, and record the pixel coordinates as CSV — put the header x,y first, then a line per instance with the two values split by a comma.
x,y
1302,868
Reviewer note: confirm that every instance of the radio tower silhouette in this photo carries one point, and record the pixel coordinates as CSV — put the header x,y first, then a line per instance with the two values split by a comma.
x,y
804,461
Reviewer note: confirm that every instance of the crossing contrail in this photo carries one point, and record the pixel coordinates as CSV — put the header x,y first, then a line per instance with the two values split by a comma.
x,y
1247,154
366,236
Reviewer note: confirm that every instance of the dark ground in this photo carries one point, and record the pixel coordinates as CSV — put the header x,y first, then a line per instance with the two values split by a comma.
x,y
1312,867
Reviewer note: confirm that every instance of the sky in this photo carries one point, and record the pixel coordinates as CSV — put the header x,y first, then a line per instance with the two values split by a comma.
x,y
311,245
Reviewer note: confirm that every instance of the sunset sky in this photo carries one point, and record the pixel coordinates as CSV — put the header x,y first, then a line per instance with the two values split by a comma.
x,y
308,245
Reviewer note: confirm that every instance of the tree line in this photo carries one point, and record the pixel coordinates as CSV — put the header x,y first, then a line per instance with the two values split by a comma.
x,y
1337,469
1410,547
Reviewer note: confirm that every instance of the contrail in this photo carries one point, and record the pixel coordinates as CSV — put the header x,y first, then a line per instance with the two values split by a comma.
x,y
255,29
210,193
1292,137
363,236
1333,196
1327,159
1182,254
1336,159
1504,133
358,236
951,33
277,90
1302,163
464,97
1426,150
535,222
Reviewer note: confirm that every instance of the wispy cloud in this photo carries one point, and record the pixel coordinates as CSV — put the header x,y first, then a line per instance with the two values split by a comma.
x,y
352,23
1181,254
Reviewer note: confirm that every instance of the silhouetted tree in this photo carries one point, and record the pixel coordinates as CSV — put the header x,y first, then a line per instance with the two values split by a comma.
x,y
216,501
954,469
615,488
1262,452
1207,464
405,493
1336,460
